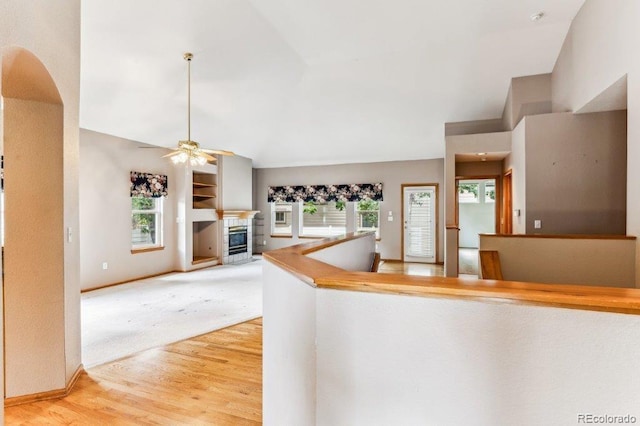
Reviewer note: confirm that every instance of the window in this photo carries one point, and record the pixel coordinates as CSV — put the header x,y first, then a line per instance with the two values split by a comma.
x,y
490,192
281,219
368,216
323,220
146,222
468,193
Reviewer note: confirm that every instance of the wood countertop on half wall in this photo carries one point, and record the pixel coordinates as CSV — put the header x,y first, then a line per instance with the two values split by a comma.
x,y
322,275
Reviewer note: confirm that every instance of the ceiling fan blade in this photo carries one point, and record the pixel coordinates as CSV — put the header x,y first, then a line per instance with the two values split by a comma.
x,y
217,151
207,156
171,154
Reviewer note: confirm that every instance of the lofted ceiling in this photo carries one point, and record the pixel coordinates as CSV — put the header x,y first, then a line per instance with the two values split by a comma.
x,y
309,82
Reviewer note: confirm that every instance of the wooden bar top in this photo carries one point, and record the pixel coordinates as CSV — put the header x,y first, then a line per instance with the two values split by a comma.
x,y
564,236
321,275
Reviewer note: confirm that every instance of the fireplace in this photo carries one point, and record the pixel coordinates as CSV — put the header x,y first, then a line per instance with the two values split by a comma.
x,y
237,231
237,239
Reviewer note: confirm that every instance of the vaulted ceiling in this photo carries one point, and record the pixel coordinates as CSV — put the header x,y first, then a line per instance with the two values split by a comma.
x,y
300,82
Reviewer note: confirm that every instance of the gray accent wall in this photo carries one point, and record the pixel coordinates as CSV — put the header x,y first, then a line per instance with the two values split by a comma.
x,y
516,162
528,95
602,47
392,174
235,174
576,173
105,210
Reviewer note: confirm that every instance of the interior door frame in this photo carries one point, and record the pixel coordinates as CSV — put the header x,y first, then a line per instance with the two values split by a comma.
x,y
498,206
437,217
507,203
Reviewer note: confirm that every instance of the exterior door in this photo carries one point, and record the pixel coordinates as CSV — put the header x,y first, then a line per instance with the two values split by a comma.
x,y
419,227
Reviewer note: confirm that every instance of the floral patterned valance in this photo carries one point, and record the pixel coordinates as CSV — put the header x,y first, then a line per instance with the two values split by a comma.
x,y
325,193
148,185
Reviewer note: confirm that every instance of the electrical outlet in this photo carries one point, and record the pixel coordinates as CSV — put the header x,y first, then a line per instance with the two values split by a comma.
x,y
537,224
105,265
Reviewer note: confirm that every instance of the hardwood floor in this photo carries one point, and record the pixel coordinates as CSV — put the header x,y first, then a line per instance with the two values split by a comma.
x,y
213,379
423,269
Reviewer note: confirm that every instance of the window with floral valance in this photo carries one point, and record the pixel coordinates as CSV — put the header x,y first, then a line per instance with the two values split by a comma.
x,y
148,185
321,194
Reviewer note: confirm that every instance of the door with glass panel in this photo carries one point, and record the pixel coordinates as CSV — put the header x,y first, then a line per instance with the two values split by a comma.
x,y
419,223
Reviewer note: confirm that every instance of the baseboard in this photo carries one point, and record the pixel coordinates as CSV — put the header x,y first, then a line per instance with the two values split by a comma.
x,y
144,277
400,261
43,396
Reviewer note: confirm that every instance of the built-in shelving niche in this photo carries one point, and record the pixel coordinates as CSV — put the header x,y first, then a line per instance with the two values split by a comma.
x,y
205,242
204,190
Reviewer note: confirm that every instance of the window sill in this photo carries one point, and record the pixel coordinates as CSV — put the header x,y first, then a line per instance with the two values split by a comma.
x,y
146,249
281,236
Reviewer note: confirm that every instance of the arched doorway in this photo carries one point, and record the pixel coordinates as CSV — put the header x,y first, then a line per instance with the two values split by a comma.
x,y
33,276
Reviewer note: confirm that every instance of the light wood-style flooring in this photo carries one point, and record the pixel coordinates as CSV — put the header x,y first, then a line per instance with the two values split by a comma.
x,y
213,379
423,269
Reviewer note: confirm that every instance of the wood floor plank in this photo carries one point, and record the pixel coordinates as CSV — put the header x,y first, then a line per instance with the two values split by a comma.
x,y
215,378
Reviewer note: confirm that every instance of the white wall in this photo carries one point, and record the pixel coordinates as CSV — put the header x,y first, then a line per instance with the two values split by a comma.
x,y
353,358
51,31
475,218
346,255
392,174
389,359
288,349
105,210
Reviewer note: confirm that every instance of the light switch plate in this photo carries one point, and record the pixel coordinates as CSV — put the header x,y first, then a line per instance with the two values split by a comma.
x,y
537,224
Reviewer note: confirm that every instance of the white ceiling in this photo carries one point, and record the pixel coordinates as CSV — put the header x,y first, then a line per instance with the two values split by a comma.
x,y
302,82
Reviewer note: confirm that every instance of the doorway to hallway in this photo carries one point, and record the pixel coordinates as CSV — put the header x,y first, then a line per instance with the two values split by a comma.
x,y
477,213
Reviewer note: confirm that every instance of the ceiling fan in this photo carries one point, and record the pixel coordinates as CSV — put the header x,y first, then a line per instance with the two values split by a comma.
x,y
190,150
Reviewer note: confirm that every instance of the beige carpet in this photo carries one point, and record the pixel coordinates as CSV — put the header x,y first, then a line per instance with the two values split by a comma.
x,y
125,319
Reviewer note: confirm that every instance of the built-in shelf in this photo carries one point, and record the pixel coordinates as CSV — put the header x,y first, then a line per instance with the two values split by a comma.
x,y
203,259
204,190
204,217
205,242
258,233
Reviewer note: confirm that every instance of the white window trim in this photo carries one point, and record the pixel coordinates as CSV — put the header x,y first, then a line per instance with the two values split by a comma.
x,y
274,222
355,219
158,211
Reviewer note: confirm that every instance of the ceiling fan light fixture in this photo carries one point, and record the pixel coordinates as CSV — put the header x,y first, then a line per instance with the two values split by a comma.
x,y
188,150
537,16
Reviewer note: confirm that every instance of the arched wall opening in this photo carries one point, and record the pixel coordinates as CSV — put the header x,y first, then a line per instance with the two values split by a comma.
x,y
33,281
